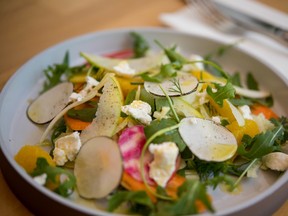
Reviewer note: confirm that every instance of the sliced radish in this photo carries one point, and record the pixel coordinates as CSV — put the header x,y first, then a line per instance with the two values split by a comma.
x,y
98,168
207,140
137,66
131,143
50,103
183,84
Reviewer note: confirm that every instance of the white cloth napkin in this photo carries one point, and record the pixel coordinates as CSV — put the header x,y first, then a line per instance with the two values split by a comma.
x,y
259,46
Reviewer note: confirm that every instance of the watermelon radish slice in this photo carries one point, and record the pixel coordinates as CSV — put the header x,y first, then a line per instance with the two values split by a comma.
x,y
131,143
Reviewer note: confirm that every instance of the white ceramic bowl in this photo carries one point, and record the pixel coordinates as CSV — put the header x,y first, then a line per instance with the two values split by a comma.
x,y
261,196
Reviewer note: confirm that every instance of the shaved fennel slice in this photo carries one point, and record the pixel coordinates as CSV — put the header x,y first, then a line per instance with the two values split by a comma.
x,y
237,114
135,66
108,112
88,97
251,93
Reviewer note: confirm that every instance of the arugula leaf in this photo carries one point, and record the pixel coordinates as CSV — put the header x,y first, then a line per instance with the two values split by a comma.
x,y
133,197
251,82
85,114
220,179
261,144
223,92
172,136
220,51
54,73
65,187
241,101
140,45
172,55
130,97
189,193
235,79
166,71
282,121
161,102
207,169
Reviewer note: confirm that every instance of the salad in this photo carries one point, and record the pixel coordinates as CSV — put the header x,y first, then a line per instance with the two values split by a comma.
x,y
150,131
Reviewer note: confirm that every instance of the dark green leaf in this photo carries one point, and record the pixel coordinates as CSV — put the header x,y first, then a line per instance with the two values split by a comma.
x,y
261,144
86,114
282,121
161,102
64,188
172,136
135,197
264,101
189,192
140,45
251,82
207,169
241,101
235,79
223,92
173,56
54,73
148,98
166,71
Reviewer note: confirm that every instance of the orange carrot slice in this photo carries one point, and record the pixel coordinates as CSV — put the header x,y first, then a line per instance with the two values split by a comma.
x,y
267,112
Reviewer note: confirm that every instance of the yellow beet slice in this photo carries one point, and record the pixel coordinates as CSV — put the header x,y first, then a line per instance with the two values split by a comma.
x,y
28,155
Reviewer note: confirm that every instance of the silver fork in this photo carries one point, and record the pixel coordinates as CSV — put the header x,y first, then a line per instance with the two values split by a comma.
x,y
210,14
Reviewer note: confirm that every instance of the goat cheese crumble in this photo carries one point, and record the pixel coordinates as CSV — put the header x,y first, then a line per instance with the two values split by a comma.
x,y
164,163
139,110
66,148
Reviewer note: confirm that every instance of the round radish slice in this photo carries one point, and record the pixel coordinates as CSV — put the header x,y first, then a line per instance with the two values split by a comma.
x,y
50,103
207,140
183,84
98,168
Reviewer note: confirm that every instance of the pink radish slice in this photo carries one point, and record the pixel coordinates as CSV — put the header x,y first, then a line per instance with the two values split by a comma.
x,y
131,143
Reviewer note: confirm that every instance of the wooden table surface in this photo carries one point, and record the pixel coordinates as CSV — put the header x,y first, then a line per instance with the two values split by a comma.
x,y
30,26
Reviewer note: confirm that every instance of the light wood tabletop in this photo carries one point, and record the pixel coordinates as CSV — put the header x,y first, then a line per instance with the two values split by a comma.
x,y
28,27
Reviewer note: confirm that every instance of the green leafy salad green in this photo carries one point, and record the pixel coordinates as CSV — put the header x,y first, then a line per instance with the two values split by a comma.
x,y
150,131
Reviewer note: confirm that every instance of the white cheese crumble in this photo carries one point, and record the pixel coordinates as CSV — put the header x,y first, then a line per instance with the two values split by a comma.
x,y
276,161
246,112
139,110
263,123
66,148
216,119
162,114
90,84
124,68
164,163
41,179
